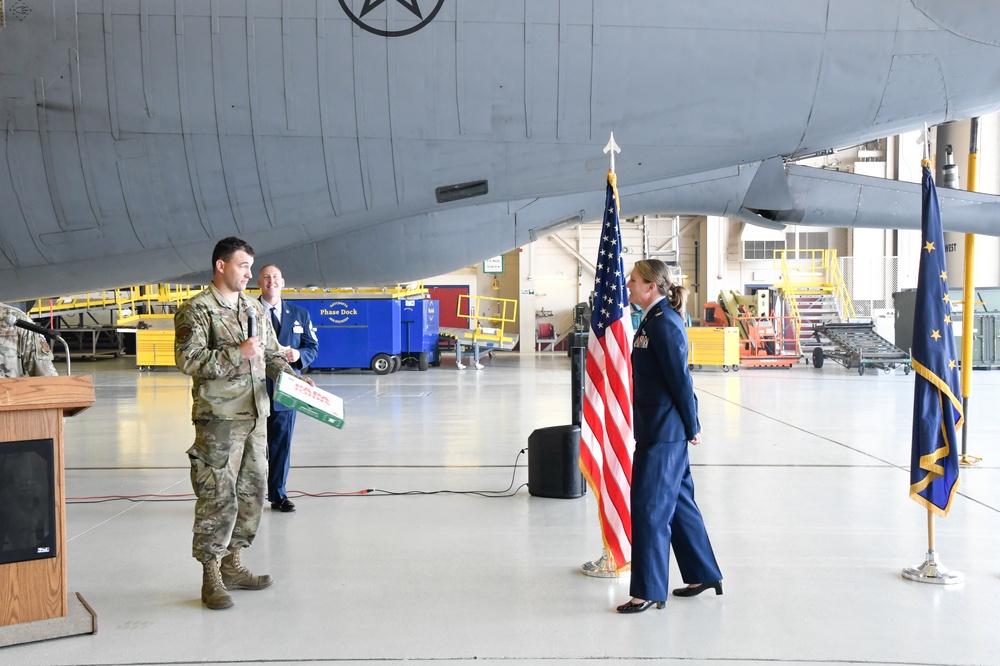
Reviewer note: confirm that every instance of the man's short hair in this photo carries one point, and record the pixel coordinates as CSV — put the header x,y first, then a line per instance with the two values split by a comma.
x,y
227,247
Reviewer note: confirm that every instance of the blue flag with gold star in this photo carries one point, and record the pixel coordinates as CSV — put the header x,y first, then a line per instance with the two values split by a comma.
x,y
937,402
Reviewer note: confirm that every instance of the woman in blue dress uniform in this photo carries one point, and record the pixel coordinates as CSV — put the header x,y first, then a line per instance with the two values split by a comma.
x,y
665,409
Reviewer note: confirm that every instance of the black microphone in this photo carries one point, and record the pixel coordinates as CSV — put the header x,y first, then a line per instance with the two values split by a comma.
x,y
31,326
251,322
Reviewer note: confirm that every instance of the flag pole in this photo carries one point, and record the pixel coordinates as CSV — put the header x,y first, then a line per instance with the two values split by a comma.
x,y
930,571
968,302
612,148
605,566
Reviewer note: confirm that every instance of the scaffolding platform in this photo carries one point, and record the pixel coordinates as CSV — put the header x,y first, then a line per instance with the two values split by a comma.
x,y
857,345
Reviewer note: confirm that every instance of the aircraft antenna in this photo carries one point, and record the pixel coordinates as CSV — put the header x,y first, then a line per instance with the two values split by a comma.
x,y
612,148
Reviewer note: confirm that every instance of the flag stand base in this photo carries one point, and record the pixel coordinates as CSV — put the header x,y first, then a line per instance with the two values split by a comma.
x,y
599,568
932,572
968,459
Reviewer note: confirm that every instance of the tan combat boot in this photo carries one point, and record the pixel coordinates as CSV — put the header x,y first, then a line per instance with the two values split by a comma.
x,y
238,577
213,592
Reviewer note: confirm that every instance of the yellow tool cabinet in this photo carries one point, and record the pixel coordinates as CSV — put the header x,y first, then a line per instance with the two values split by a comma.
x,y
154,341
714,345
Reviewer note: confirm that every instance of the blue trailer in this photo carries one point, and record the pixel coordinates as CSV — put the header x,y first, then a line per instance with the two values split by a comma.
x,y
356,333
420,329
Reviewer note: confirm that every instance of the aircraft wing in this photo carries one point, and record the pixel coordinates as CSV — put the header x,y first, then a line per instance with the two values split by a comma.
x,y
824,197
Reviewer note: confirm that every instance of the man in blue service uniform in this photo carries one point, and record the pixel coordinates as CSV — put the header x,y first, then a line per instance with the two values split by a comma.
x,y
297,338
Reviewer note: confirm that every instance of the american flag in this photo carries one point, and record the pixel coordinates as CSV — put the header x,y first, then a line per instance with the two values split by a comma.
x,y
937,401
607,443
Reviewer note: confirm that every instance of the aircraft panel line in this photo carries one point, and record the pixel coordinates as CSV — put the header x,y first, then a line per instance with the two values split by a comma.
x,y
562,69
460,69
323,94
286,60
83,149
131,210
595,71
528,68
225,155
258,142
359,110
10,157
392,97
147,77
182,92
47,161
109,68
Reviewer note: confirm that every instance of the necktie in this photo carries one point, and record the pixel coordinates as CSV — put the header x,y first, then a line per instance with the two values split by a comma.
x,y
274,321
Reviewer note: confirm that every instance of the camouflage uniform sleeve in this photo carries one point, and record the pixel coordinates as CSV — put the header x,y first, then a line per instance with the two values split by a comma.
x,y
195,352
38,357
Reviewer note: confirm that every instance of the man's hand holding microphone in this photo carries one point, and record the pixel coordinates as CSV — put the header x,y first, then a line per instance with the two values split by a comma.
x,y
251,346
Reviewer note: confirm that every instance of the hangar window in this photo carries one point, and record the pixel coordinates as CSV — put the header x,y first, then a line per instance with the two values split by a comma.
x,y
808,240
762,249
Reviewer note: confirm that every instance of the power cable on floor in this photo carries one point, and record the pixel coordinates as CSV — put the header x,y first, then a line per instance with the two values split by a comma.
x,y
509,491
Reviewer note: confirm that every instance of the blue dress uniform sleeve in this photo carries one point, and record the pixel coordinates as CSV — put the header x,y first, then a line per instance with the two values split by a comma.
x,y
308,344
668,340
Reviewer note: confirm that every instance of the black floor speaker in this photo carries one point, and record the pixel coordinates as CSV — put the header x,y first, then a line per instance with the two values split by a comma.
x,y
554,463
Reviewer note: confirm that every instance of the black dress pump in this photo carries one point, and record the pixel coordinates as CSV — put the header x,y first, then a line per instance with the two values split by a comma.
x,y
632,607
698,589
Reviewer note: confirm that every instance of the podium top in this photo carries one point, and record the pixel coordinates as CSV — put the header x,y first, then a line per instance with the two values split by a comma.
x,y
71,394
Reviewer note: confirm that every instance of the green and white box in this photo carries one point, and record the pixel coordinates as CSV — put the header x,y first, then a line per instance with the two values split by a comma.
x,y
315,402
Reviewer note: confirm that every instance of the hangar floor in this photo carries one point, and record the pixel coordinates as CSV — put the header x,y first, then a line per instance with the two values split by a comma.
x,y
802,477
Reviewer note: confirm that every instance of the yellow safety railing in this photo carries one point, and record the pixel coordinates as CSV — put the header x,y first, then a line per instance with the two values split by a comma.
x,y
123,299
400,291
474,311
136,301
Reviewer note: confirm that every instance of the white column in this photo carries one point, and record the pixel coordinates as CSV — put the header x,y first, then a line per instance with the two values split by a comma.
x,y
526,302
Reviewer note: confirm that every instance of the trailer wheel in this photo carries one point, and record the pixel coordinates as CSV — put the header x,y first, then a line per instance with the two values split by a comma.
x,y
382,364
397,363
422,361
906,369
725,368
817,357
736,367
861,369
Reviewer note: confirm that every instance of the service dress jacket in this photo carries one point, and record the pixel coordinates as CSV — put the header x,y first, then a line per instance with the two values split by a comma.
x,y
665,408
296,331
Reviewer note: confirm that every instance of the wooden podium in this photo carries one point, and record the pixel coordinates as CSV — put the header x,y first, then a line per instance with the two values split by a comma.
x,y
33,599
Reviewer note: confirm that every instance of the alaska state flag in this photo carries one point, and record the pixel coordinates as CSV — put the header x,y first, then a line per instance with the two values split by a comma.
x,y
937,403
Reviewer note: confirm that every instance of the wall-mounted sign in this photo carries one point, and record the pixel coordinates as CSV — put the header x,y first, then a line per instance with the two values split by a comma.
x,y
494,265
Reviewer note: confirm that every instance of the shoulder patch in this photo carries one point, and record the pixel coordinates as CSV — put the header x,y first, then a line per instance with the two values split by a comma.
x,y
44,344
183,333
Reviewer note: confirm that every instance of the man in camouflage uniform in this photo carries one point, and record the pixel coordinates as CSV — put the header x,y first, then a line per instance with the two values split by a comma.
x,y
23,353
229,455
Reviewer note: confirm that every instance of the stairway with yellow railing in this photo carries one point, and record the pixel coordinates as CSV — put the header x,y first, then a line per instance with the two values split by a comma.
x,y
813,288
